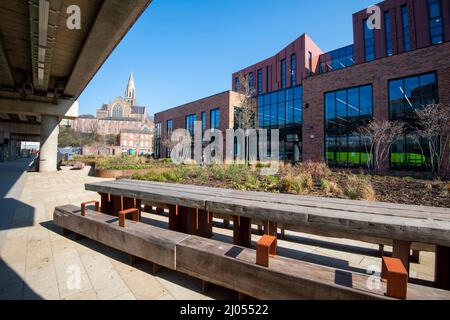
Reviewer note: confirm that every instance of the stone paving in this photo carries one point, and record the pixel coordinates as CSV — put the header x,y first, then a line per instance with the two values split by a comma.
x,y
37,262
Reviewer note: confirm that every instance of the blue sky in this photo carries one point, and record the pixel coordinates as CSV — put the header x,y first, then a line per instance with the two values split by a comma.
x,y
183,50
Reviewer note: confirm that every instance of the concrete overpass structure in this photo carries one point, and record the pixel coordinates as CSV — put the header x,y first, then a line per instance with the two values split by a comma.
x,y
47,59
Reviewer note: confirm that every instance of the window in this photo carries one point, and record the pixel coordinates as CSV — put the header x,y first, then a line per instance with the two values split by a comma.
x,y
387,22
436,25
406,95
203,122
250,82
337,59
236,84
190,123
283,110
169,128
293,70
310,63
267,79
260,80
345,111
283,74
369,42
215,119
406,34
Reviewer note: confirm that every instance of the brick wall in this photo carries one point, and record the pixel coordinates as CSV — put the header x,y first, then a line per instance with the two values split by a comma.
x,y
224,101
377,73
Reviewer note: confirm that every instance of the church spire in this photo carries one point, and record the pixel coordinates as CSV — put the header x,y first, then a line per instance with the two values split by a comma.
x,y
130,93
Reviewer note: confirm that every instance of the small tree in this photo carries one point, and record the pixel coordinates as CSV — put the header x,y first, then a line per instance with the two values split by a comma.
x,y
379,135
433,123
245,109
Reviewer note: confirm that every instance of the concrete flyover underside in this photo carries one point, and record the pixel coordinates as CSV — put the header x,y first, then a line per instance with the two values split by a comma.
x,y
45,65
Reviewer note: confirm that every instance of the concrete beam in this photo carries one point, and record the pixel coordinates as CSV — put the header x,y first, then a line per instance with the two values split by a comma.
x,y
6,78
66,109
20,128
43,14
113,21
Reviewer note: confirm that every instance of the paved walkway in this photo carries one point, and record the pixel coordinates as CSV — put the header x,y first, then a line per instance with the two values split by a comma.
x,y
37,262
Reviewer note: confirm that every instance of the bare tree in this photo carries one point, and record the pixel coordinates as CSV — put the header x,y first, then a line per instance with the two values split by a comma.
x,y
379,135
245,108
433,126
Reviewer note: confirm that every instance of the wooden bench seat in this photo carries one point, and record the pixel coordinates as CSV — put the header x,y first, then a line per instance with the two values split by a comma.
x,y
228,265
143,241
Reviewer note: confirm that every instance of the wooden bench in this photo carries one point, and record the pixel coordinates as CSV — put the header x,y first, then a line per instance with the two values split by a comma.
x,y
401,226
228,265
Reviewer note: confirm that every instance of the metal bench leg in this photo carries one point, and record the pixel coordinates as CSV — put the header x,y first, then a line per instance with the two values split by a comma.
x,y
401,250
442,265
242,231
415,256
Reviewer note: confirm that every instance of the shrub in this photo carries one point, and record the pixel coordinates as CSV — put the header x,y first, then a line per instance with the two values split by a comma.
x,y
330,187
298,184
317,170
177,174
153,176
358,187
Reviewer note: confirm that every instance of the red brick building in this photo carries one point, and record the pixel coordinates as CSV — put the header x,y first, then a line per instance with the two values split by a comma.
x,y
216,112
317,100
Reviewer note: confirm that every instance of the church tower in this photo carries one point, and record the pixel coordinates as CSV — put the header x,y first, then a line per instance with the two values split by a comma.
x,y
130,93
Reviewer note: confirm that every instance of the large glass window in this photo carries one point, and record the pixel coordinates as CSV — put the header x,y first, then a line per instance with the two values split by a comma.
x,y
283,110
169,128
260,81
345,111
236,84
190,123
251,82
215,119
436,25
268,79
203,122
283,74
387,23
158,140
369,42
337,59
293,70
406,32
405,96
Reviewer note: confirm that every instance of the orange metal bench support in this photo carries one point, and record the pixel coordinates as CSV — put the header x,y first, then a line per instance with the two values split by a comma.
x,y
85,204
124,213
265,247
396,275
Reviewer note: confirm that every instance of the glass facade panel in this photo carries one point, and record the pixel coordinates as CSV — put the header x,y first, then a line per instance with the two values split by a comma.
x,y
387,23
158,140
406,33
283,74
337,59
436,25
369,42
215,119
251,82
260,81
293,70
406,95
283,110
345,111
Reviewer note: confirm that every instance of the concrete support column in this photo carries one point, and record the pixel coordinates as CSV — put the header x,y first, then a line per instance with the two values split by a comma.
x,y
49,144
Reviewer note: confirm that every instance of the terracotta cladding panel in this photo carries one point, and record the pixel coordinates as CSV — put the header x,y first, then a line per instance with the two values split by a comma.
x,y
377,73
